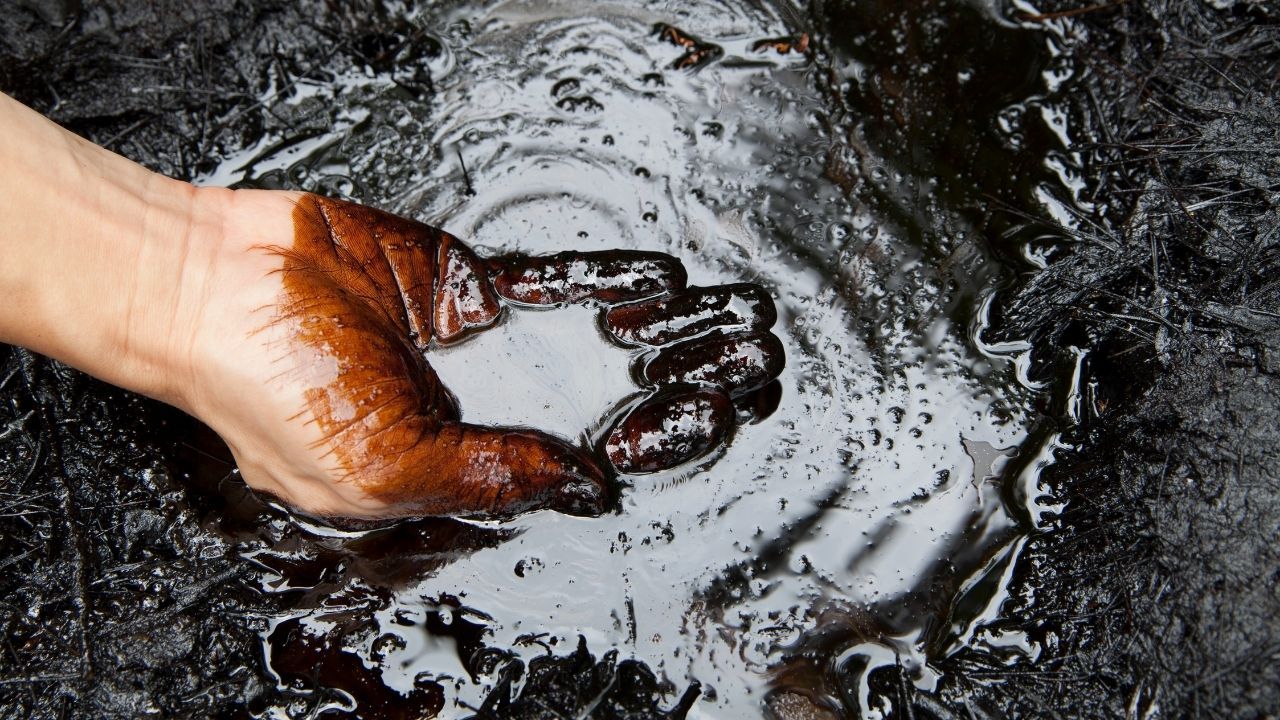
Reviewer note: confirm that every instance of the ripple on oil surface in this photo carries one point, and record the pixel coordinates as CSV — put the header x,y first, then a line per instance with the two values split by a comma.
x,y
858,491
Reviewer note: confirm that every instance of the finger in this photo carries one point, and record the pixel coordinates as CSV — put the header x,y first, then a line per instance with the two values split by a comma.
x,y
461,469
670,428
387,261
738,365
464,299
741,308
762,403
567,277
422,279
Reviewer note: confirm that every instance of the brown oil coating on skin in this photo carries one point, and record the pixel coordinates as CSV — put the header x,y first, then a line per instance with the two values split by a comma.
x,y
364,294
762,403
674,426
609,277
736,364
741,308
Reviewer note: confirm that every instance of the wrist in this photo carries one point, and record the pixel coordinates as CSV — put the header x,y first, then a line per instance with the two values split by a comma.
x,y
106,265
223,289
173,276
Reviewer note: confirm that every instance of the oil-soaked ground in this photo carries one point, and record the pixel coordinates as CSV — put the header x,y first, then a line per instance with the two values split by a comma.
x,y
931,190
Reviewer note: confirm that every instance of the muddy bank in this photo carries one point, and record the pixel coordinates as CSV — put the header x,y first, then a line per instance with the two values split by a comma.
x,y
1161,565
1157,592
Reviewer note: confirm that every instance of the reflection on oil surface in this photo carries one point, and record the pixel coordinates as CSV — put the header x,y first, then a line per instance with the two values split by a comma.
x,y
849,165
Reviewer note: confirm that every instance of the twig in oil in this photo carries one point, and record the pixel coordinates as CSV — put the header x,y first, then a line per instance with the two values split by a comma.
x,y
466,176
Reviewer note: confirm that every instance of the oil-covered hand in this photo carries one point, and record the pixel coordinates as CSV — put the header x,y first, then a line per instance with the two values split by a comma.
x,y
313,362
301,329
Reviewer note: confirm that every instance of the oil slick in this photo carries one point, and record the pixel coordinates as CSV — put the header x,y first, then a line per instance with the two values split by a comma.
x,y
833,536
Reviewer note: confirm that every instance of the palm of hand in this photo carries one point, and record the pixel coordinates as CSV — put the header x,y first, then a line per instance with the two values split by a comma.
x,y
363,294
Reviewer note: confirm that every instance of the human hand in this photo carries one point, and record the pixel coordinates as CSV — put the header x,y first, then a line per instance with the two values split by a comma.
x,y
300,329
311,358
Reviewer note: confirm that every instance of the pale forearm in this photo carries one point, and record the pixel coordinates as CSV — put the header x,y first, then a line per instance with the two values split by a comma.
x,y
96,253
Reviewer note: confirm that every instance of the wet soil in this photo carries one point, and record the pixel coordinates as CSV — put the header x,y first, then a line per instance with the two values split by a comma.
x,y
1159,591
1109,174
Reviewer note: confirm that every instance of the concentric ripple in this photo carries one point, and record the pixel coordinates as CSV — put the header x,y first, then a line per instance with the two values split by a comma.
x,y
898,473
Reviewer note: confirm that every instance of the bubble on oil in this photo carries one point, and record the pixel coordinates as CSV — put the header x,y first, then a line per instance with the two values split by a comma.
x,y
894,480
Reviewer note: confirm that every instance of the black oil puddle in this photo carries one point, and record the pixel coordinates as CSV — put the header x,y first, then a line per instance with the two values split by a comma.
x,y
858,165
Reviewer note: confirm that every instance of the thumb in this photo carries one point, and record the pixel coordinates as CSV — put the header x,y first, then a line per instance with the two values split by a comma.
x,y
462,469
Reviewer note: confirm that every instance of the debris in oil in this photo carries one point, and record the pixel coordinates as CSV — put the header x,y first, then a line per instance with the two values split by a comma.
x,y
697,53
783,45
